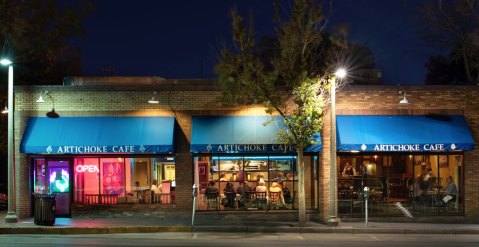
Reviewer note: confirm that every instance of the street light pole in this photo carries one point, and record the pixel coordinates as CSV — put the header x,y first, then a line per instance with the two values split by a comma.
x,y
11,216
333,219
333,212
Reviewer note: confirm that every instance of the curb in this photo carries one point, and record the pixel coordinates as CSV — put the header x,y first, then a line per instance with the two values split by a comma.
x,y
235,229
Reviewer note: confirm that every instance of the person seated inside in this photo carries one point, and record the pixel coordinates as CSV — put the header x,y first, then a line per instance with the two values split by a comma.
x,y
276,188
211,188
155,191
242,189
230,195
349,170
451,192
286,193
261,186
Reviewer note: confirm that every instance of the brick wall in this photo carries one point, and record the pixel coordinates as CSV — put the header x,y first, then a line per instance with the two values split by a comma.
x,y
183,101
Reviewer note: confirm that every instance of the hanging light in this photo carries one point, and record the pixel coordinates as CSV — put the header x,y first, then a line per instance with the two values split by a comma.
x,y
40,100
404,100
153,100
5,111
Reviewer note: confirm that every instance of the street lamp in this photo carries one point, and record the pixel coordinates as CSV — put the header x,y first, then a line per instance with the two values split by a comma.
x,y
11,216
333,210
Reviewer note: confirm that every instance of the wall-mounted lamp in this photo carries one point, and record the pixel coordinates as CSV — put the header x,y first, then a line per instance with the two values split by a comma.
x,y
404,100
40,100
52,113
153,100
5,111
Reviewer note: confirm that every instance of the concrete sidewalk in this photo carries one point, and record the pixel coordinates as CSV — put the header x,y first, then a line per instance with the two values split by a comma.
x,y
207,223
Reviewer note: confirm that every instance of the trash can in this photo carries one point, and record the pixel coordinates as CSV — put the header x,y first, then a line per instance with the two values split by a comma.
x,y
44,213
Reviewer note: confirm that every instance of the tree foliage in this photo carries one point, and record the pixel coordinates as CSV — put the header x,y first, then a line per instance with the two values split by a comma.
x,y
295,67
452,25
37,36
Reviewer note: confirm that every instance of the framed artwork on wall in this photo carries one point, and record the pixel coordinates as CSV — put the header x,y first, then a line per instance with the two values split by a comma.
x,y
443,161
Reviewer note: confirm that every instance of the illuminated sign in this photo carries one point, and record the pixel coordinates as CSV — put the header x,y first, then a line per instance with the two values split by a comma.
x,y
87,168
59,180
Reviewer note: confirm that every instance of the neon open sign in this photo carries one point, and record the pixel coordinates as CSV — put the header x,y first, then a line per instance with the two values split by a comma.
x,y
87,168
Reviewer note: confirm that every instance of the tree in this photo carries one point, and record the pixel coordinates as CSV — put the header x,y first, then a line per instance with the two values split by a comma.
x,y
37,36
295,68
452,25
444,71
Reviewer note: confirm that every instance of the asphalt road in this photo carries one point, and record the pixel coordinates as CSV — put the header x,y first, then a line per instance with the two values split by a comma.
x,y
241,239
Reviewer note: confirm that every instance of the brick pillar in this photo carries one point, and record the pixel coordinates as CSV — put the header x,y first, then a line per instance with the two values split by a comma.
x,y
184,162
324,171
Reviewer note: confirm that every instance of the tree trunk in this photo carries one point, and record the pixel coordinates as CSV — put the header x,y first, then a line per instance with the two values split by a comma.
x,y
301,194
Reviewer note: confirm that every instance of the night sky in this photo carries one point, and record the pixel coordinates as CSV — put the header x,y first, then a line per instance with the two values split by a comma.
x,y
182,39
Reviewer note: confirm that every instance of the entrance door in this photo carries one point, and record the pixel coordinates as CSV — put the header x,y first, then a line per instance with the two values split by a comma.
x,y
59,183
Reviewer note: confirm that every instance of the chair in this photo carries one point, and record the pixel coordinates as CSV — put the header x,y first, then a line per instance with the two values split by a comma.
x,y
261,200
166,192
275,200
212,200
249,199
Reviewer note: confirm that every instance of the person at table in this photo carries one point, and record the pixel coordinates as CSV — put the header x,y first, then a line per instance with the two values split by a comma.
x,y
349,170
211,188
261,186
451,191
155,191
276,188
286,192
230,195
242,189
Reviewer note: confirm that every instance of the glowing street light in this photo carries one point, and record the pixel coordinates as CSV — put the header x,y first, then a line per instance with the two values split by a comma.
x,y
11,215
333,219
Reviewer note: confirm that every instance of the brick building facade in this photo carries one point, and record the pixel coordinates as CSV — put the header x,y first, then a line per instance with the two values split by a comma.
x,y
183,99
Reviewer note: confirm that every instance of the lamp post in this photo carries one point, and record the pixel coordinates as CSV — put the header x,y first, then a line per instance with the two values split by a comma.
x,y
333,219
11,216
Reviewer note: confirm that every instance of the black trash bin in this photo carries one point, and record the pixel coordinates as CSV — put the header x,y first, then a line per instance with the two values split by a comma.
x,y
44,213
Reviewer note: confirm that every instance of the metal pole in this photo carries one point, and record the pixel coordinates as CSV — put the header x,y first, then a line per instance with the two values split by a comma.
x,y
366,195
11,216
195,194
333,210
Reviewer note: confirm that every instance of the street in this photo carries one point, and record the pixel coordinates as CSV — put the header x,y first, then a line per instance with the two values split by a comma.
x,y
240,239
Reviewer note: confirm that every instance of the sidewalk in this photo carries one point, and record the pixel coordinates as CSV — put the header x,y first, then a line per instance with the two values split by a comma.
x,y
216,224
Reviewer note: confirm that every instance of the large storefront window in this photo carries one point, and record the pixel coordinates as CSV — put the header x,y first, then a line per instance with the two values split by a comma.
x,y
250,182
123,180
423,184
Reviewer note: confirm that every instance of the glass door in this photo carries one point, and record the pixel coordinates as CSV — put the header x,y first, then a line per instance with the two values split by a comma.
x,y
58,175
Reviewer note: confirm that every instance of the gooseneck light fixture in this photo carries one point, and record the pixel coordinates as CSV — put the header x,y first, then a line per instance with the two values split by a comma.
x,y
404,100
153,100
333,219
52,113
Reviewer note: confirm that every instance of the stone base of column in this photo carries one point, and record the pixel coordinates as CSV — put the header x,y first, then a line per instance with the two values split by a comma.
x,y
333,221
11,218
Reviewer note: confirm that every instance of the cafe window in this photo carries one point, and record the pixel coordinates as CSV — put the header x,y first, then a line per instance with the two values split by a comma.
x,y
233,171
123,180
419,182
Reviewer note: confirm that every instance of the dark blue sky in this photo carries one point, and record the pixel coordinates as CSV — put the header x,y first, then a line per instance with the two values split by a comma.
x,y
181,39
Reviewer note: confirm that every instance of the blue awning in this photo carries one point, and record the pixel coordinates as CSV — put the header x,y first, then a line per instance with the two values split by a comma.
x,y
403,133
77,135
240,134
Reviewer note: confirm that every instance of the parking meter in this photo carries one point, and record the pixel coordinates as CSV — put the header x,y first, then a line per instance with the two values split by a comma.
x,y
194,194
366,192
195,190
